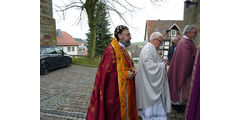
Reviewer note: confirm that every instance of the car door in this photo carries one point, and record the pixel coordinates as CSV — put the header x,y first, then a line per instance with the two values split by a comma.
x,y
52,57
60,57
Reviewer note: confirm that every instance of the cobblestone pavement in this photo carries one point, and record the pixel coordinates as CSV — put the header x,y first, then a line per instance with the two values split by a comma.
x,y
65,93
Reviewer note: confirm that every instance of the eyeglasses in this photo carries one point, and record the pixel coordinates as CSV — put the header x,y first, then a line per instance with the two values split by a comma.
x,y
195,32
159,40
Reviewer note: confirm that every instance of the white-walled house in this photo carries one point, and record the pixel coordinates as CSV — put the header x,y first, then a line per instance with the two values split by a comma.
x,y
67,43
82,49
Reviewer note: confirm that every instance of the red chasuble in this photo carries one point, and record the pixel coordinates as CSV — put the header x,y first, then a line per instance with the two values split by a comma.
x,y
180,70
112,89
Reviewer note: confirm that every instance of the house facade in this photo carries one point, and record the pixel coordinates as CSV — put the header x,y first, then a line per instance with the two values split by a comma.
x,y
168,28
67,43
82,47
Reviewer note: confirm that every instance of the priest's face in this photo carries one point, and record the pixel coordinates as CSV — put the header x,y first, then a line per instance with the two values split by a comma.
x,y
125,38
159,42
193,33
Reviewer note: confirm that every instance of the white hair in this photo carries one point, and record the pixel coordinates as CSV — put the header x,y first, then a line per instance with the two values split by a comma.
x,y
155,35
188,28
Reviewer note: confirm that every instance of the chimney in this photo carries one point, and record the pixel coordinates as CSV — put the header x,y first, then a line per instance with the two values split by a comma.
x,y
59,33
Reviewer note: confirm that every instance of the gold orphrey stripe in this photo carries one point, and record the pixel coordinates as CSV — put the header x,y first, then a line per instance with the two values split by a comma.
x,y
122,75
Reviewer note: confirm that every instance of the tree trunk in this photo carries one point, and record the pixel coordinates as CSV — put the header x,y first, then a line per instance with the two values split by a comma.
x,y
92,20
92,39
93,31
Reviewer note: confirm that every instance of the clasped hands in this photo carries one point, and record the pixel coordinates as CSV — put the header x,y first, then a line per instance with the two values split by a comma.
x,y
165,62
132,74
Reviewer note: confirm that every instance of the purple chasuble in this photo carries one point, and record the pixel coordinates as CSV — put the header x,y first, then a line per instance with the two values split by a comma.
x,y
180,70
193,108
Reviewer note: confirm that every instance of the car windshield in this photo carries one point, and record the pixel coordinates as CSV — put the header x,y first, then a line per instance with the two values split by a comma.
x,y
41,50
58,50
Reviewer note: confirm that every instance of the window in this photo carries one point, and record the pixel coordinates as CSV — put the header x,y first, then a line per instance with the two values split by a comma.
x,y
73,49
58,50
166,43
165,52
173,33
50,50
166,47
42,51
161,47
165,57
68,49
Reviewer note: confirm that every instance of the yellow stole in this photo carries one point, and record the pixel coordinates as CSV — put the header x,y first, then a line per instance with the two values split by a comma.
x,y
122,77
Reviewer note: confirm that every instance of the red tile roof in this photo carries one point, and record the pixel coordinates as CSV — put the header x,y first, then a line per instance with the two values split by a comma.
x,y
66,39
162,26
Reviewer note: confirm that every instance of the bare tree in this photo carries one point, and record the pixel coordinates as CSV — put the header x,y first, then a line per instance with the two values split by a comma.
x,y
93,8
157,2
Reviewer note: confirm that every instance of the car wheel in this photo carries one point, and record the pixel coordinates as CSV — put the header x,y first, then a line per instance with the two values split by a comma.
x,y
68,63
44,69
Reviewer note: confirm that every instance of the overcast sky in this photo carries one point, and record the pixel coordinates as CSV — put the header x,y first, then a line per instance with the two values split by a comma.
x,y
168,10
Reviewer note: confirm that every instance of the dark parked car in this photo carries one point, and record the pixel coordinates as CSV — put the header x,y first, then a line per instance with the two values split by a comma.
x,y
51,58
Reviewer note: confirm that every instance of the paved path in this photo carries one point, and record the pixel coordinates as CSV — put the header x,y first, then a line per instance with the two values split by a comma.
x,y
65,93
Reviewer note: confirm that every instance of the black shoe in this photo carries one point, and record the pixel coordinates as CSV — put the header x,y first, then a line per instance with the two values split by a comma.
x,y
177,108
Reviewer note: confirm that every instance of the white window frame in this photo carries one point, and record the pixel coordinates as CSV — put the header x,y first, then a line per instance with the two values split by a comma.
x,y
69,49
73,49
173,33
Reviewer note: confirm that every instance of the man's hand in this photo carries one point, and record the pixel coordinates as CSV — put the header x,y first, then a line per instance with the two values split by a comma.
x,y
134,71
131,74
165,63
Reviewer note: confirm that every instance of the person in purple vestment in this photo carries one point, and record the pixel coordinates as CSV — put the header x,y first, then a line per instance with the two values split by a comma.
x,y
180,69
193,106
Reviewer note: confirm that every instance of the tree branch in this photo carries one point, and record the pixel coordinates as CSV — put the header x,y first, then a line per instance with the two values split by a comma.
x,y
66,8
132,5
157,3
79,19
123,6
119,14
68,5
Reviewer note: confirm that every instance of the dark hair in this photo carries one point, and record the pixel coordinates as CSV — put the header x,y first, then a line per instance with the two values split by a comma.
x,y
119,29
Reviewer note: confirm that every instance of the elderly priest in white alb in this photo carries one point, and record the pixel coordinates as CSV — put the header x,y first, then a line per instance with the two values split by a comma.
x,y
152,90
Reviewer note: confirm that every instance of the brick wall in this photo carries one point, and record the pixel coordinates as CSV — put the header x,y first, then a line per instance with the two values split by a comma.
x,y
46,7
47,24
192,16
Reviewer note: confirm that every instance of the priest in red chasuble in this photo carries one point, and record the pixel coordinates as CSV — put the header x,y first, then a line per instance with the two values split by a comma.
x,y
114,94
